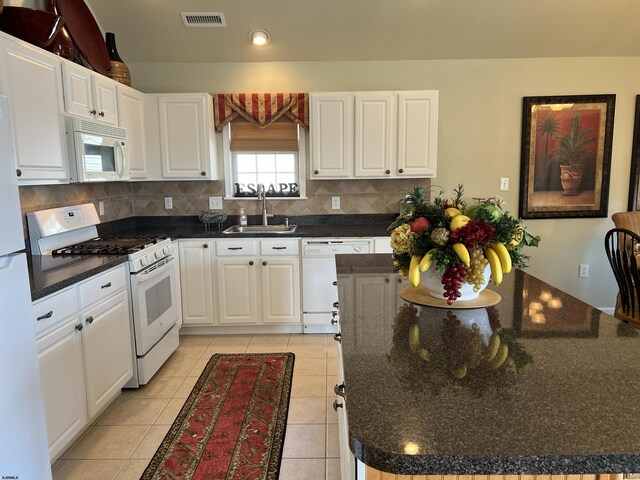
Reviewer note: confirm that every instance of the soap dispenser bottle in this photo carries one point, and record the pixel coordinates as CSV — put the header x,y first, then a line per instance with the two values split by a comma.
x,y
243,218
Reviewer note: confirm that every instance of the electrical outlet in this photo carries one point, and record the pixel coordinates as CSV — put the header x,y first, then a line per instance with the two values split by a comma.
x,y
101,208
583,270
215,203
168,203
504,184
335,203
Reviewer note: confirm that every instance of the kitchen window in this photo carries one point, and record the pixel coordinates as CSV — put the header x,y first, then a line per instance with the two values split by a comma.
x,y
272,155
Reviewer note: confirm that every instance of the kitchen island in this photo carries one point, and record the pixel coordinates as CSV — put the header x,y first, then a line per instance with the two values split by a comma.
x,y
422,396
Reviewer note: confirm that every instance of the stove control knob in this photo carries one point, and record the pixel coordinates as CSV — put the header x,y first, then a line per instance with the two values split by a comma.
x,y
158,254
167,250
144,261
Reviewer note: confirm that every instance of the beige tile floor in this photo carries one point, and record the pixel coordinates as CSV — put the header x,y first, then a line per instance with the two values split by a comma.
x,y
120,443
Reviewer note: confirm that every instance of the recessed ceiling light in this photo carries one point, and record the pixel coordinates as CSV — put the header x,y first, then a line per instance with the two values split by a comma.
x,y
259,38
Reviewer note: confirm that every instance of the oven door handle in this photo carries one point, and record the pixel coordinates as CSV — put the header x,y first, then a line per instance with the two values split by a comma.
x,y
151,273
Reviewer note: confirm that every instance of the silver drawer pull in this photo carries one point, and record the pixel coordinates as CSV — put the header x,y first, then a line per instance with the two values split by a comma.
x,y
338,337
339,390
279,248
337,405
106,285
234,248
49,314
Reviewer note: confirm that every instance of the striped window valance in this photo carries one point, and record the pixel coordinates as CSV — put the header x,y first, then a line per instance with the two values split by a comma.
x,y
261,109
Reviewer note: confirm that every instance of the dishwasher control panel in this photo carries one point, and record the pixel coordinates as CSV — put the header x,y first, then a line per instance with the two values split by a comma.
x,y
330,247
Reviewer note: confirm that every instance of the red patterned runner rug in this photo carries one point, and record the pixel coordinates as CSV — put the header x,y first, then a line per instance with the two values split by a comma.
x,y
232,426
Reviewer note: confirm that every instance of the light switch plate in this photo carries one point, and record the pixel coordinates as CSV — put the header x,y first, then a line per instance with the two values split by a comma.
x,y
215,203
504,184
583,270
168,203
335,203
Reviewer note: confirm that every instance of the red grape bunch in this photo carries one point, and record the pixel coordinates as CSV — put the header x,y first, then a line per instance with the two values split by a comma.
x,y
452,279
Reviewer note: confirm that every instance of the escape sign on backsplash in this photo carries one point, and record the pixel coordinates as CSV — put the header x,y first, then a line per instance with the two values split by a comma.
x,y
273,190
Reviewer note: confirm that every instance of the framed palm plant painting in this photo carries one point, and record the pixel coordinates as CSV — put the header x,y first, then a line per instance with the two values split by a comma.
x,y
566,156
634,182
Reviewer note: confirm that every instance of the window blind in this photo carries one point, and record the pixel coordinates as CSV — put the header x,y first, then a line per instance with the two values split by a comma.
x,y
280,136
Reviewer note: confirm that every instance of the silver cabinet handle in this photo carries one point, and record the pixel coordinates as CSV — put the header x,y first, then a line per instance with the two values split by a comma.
x,y
334,321
337,405
234,248
89,320
339,390
93,112
79,327
101,114
279,248
49,314
338,337
106,285
336,304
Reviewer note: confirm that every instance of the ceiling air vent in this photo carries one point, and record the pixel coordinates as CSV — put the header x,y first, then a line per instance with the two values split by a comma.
x,y
203,19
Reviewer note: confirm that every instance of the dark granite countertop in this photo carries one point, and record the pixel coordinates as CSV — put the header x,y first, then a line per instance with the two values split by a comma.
x,y
371,225
564,402
49,274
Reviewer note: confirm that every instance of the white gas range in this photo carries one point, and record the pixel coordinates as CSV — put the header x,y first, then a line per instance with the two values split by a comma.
x,y
154,277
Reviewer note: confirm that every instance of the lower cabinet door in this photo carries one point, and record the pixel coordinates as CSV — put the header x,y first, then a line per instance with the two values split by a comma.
x,y
62,380
237,297
280,290
108,358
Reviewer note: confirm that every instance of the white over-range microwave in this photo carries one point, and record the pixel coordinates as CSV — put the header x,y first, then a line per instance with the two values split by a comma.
x,y
98,153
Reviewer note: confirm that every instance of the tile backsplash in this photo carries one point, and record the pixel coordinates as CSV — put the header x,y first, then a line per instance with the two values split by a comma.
x,y
123,200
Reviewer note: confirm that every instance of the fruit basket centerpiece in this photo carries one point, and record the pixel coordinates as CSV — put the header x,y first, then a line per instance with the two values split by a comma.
x,y
453,248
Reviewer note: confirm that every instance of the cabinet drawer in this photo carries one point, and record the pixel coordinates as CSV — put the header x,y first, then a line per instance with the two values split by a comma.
x,y
235,248
287,247
101,287
54,309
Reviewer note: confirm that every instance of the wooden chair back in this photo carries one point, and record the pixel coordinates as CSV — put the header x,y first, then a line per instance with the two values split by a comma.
x,y
622,247
628,220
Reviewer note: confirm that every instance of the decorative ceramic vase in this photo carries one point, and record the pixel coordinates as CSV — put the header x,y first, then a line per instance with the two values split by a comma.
x,y
571,178
119,70
432,280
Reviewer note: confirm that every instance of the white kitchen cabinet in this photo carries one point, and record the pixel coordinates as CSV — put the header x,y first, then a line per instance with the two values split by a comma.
x,y
85,352
187,137
88,94
196,280
374,134
108,360
237,295
32,80
280,282
62,376
331,127
417,133
132,119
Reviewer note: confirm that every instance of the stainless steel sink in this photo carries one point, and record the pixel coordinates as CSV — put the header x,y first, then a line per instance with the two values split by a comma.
x,y
238,229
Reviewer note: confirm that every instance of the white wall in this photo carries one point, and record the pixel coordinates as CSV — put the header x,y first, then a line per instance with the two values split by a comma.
x,y
479,130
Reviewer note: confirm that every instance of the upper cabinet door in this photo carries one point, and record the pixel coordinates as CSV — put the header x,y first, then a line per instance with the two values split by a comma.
x,y
32,80
331,135
417,133
131,115
375,134
89,95
186,136
78,91
105,99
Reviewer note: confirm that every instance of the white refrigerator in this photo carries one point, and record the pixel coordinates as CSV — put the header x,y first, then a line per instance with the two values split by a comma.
x,y
24,452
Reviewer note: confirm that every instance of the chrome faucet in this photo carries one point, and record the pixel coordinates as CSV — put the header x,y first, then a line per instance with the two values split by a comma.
x,y
262,197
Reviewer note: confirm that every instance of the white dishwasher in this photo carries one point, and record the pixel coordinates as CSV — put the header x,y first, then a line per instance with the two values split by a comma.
x,y
319,279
